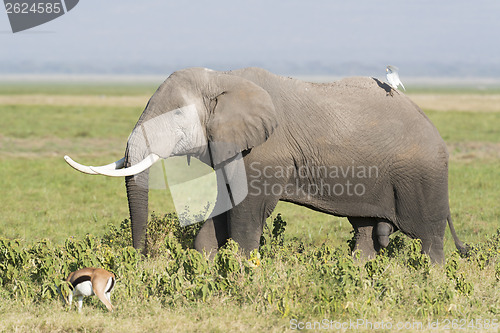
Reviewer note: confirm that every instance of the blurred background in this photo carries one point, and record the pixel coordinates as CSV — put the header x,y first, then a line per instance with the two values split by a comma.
x,y
454,40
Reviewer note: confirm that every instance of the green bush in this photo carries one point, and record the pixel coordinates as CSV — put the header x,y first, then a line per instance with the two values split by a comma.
x,y
285,277
159,228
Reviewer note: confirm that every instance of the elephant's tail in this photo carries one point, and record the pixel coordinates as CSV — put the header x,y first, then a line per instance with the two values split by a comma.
x,y
463,249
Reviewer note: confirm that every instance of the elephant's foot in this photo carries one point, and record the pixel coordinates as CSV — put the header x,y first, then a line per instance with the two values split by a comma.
x,y
384,230
366,243
433,247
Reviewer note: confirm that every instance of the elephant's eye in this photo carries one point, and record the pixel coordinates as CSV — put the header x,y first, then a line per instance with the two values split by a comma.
x,y
212,103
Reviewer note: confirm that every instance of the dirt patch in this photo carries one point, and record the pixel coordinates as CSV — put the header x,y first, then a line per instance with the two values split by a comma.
x,y
473,151
75,100
457,102
57,147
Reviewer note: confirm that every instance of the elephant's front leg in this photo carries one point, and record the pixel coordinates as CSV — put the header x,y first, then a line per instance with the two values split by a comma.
x,y
246,221
212,235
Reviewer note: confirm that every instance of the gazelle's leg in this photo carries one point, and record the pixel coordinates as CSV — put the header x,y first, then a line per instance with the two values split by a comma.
x,y
70,299
100,284
80,303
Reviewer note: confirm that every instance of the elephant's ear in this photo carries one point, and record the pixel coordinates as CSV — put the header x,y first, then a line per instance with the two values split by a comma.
x,y
243,117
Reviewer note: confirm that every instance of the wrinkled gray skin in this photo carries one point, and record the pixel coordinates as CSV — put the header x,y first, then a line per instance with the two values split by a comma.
x,y
279,122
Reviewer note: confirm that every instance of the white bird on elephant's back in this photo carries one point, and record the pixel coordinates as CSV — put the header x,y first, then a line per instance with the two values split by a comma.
x,y
393,77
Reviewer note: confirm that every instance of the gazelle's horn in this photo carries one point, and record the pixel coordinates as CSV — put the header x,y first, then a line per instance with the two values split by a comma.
x,y
130,171
88,169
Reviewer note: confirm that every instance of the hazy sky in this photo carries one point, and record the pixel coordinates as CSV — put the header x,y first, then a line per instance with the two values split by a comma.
x,y
277,35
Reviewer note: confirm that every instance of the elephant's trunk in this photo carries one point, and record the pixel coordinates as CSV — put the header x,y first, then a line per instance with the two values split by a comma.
x,y
150,140
140,147
137,194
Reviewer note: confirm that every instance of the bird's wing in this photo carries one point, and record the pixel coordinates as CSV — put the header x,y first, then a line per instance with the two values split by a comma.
x,y
402,86
392,80
398,80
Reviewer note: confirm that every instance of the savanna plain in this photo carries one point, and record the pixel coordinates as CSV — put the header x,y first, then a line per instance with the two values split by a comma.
x,y
54,220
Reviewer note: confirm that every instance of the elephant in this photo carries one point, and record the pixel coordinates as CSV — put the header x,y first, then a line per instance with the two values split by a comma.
x,y
352,148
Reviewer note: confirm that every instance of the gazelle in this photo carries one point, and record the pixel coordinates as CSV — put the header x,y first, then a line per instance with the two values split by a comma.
x,y
91,281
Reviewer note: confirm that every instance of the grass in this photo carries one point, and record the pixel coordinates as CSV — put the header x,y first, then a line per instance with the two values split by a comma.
x,y
44,121
42,197
150,316
466,126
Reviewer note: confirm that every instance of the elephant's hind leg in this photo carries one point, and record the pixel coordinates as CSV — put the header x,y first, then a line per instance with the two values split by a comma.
x,y
433,247
432,238
366,242
384,230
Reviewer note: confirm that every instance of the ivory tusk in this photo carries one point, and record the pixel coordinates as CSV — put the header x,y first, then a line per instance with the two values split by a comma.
x,y
130,171
88,169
